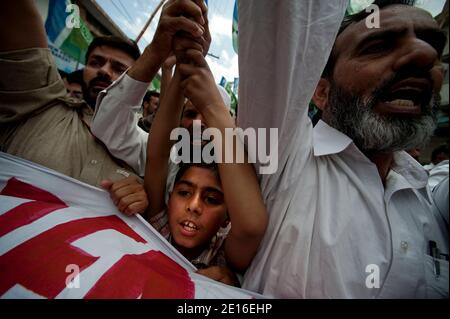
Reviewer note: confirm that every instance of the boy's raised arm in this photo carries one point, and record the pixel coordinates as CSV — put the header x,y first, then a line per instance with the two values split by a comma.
x,y
159,144
243,198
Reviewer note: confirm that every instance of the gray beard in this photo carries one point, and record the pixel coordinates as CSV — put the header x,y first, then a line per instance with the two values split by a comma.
x,y
373,132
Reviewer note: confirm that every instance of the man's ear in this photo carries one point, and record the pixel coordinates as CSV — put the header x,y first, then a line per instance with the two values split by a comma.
x,y
320,97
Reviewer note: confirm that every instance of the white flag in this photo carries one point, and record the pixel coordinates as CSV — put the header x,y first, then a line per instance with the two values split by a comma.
x,y
61,238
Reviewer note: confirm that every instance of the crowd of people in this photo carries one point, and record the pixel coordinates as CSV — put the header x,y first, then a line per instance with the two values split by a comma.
x,y
347,196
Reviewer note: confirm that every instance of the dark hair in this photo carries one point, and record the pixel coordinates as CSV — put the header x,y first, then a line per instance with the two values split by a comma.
x,y
75,77
126,45
185,166
354,18
438,150
149,94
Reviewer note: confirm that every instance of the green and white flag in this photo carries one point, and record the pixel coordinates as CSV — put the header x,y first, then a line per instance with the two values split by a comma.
x,y
67,34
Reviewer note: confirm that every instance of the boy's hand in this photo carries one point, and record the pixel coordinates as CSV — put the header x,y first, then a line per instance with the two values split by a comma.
x,y
221,274
198,82
128,195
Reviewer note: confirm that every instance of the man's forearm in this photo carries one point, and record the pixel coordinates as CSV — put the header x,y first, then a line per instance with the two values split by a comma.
x,y
146,66
21,26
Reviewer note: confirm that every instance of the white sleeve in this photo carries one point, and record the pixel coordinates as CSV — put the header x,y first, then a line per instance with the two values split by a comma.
x,y
283,48
115,124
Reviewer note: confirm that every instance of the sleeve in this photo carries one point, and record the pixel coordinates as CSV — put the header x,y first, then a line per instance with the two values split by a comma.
x,y
115,124
160,222
283,48
29,83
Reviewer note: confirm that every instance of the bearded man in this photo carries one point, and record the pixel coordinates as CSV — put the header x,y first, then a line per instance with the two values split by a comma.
x,y
350,212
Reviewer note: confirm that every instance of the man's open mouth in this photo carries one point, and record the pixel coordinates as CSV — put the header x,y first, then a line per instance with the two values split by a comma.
x,y
408,97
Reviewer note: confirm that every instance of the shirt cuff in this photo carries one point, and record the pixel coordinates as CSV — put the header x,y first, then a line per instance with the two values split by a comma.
x,y
127,90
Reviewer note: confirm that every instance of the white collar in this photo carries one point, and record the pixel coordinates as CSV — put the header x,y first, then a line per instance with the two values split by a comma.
x,y
327,141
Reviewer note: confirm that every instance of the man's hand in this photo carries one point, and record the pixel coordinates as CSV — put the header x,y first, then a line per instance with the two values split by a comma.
x,y
128,195
178,17
220,273
185,17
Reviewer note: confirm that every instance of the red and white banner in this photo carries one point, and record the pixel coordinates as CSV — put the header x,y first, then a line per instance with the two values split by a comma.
x,y
61,238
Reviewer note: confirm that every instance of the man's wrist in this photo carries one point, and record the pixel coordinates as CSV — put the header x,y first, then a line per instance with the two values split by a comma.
x,y
147,65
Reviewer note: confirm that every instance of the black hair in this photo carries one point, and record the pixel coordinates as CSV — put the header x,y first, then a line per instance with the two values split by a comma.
x,y
126,45
185,166
354,18
149,94
75,77
438,150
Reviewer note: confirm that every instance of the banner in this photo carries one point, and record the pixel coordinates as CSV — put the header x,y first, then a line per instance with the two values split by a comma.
x,y
65,28
61,238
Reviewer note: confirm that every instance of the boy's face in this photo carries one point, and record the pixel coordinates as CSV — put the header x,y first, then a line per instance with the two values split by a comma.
x,y
196,210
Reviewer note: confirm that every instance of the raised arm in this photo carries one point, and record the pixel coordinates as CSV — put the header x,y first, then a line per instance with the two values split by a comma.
x,y
21,26
242,194
159,144
166,74
29,79
283,48
114,122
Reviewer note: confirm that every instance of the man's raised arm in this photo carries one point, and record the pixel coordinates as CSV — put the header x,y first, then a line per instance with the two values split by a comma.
x,y
283,48
21,26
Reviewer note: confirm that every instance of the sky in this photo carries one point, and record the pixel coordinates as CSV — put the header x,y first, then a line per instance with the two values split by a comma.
x,y
131,16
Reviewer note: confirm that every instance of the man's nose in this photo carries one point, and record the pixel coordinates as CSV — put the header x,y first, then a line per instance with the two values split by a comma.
x,y
418,54
106,70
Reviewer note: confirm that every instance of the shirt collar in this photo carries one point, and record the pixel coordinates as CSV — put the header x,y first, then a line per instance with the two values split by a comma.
x,y
410,169
328,140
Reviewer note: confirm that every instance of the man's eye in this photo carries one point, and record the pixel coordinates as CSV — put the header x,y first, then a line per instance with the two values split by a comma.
x,y
94,63
119,69
375,48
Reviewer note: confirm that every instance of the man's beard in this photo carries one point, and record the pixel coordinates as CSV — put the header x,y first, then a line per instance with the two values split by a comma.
x,y
374,132
89,93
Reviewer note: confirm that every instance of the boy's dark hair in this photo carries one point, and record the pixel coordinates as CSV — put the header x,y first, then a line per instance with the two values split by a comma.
x,y
75,77
354,18
149,94
185,166
126,45
438,150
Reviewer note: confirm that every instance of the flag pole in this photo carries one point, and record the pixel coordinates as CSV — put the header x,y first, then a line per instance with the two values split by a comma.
x,y
149,21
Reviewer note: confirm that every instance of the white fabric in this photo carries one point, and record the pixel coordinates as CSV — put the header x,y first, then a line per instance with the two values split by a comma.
x,y
28,268
330,216
115,124
438,173
441,198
